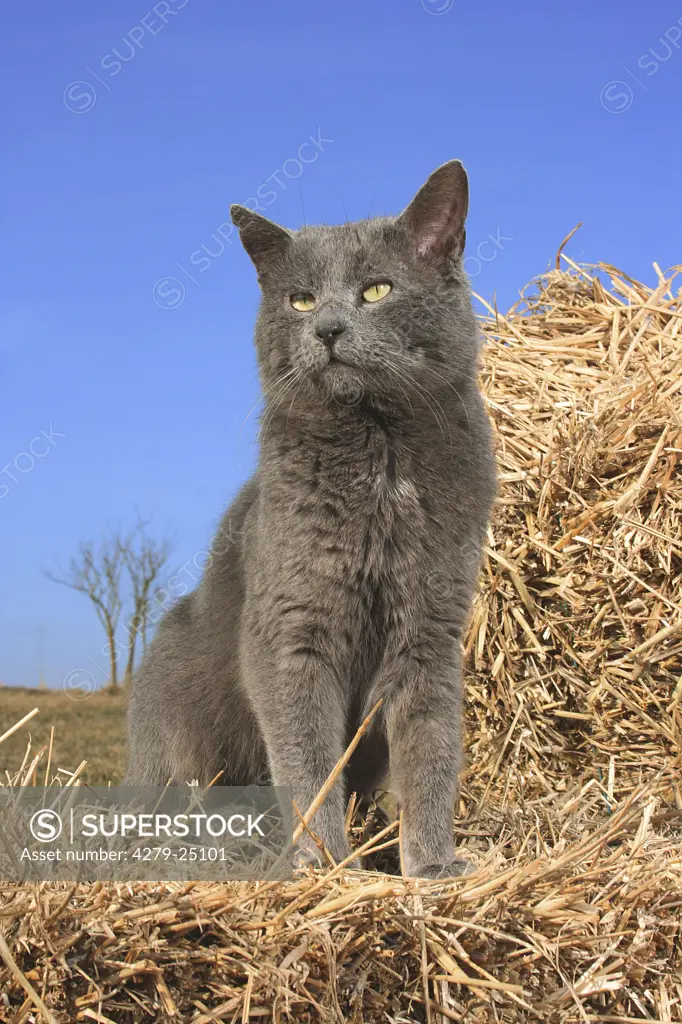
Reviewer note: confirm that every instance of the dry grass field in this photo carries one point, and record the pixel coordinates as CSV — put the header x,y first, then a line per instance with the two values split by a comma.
x,y
571,801
87,727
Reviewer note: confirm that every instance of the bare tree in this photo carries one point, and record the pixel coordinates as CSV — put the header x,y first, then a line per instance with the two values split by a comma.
x,y
148,622
96,572
120,573
144,558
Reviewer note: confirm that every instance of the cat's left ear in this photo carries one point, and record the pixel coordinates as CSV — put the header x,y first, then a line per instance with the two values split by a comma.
x,y
434,220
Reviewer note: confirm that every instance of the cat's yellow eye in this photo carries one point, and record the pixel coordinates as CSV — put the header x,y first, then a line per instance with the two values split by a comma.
x,y
376,291
302,301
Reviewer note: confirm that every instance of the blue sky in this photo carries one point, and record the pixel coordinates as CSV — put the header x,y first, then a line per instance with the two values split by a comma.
x,y
128,130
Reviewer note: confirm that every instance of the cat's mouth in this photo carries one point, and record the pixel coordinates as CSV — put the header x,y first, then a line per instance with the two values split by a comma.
x,y
335,361
336,366
342,382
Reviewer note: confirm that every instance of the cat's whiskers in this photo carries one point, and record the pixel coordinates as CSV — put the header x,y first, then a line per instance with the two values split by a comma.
x,y
410,382
273,407
425,395
258,400
246,418
280,387
293,399
393,370
449,384
288,381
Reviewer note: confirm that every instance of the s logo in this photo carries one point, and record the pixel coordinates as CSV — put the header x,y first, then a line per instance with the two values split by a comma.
x,y
46,826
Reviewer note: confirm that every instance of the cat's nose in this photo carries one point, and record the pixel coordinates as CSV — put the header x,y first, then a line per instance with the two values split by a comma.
x,y
329,331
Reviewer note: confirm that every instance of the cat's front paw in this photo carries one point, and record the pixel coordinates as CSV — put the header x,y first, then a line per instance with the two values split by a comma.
x,y
453,869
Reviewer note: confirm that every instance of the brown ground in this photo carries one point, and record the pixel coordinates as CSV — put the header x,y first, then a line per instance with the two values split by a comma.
x,y
90,729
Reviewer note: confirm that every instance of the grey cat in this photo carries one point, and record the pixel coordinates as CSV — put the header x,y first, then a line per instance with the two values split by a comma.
x,y
344,570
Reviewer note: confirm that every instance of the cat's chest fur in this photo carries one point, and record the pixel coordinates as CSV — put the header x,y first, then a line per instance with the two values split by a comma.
x,y
361,507
395,515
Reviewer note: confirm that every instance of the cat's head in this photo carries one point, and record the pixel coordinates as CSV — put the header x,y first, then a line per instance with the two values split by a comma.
x,y
375,310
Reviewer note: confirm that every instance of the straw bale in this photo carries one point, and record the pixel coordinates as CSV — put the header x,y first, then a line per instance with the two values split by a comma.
x,y
571,804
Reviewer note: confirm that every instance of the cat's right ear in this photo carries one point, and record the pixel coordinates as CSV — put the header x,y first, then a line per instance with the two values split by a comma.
x,y
434,220
262,238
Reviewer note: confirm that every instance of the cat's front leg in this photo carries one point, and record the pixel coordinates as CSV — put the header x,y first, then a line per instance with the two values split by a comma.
x,y
422,689
299,701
